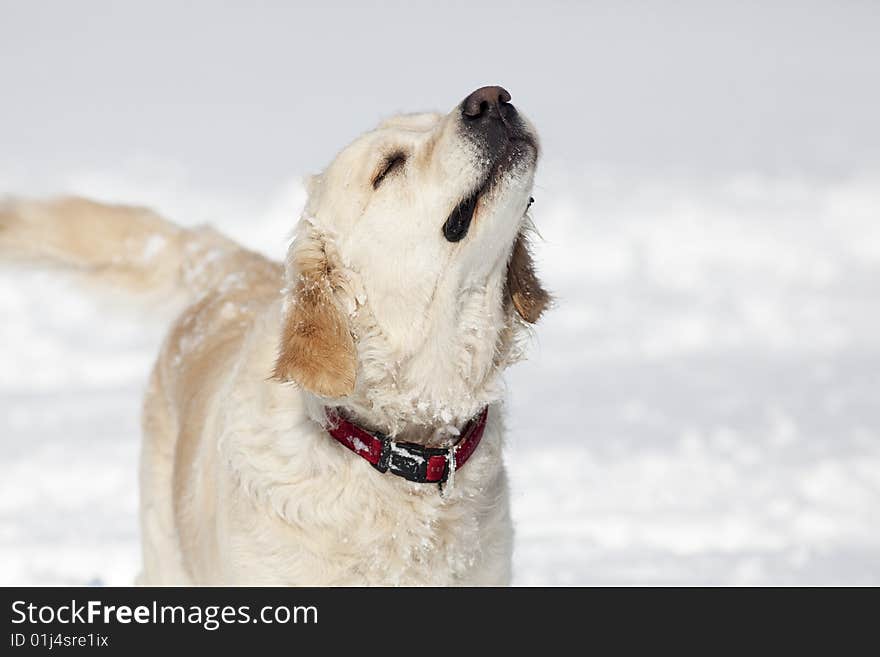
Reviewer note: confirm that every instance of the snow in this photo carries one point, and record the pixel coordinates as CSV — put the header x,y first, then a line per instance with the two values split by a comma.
x,y
153,247
402,452
700,407
359,445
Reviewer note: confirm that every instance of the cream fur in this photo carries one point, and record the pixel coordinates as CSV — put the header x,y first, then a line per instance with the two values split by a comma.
x,y
240,484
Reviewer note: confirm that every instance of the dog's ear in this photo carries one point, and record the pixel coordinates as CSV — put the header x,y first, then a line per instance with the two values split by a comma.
x,y
524,289
317,350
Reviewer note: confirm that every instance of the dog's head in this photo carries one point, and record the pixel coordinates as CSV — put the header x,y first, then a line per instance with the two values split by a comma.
x,y
411,253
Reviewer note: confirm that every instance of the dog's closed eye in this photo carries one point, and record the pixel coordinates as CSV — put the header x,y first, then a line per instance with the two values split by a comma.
x,y
391,164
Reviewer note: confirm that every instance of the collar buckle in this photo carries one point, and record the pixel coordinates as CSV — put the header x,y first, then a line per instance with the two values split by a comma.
x,y
412,461
385,454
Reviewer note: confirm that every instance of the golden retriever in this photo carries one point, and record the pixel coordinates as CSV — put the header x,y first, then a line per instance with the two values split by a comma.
x,y
406,292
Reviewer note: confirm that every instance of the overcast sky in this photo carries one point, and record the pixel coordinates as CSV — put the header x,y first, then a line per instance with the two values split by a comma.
x,y
249,94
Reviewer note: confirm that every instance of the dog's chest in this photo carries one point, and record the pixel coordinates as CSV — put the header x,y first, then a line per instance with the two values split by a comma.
x,y
352,525
315,513
414,538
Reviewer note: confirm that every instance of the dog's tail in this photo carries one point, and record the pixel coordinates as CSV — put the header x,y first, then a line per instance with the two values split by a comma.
x,y
125,247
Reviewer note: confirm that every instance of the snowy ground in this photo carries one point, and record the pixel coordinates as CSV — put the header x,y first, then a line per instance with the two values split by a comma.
x,y
701,407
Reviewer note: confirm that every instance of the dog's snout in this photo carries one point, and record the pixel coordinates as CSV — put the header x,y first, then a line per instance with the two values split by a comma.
x,y
487,102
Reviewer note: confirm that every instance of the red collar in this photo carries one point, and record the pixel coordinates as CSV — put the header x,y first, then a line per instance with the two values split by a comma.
x,y
408,460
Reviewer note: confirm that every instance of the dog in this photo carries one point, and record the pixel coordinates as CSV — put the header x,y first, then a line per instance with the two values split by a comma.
x,y
335,419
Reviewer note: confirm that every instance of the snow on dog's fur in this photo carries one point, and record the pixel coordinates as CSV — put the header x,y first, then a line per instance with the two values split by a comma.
x,y
406,292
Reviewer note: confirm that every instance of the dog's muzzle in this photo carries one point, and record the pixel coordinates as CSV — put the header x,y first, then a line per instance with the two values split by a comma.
x,y
488,120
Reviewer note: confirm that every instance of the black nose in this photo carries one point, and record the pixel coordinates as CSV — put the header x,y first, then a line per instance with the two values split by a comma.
x,y
487,102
